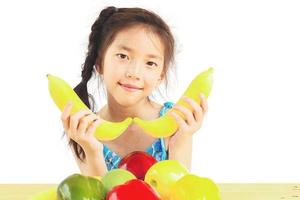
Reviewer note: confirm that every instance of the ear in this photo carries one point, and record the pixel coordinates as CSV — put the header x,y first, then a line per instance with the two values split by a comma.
x,y
161,78
98,67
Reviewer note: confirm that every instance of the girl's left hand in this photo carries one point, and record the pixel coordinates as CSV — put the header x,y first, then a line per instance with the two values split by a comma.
x,y
193,122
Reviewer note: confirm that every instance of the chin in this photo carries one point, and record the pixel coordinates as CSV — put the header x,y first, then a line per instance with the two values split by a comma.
x,y
128,101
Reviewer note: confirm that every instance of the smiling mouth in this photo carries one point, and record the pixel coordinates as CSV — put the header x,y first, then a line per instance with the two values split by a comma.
x,y
129,89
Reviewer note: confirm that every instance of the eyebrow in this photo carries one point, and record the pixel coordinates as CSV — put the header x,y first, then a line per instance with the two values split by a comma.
x,y
131,50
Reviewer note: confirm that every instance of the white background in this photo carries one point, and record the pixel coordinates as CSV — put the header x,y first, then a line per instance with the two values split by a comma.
x,y
251,133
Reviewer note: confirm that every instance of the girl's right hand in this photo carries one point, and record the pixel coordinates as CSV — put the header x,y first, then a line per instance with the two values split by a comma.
x,y
81,126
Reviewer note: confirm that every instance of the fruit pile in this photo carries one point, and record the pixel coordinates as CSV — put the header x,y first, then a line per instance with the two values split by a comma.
x,y
139,177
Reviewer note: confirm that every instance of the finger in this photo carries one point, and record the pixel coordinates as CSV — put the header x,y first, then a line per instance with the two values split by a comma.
x,y
85,121
204,103
74,119
196,109
92,128
181,123
65,116
186,112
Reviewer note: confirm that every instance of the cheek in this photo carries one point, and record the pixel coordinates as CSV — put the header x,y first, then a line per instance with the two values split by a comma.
x,y
110,78
112,71
151,80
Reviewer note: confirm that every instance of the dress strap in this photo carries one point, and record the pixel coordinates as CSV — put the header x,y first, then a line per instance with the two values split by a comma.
x,y
166,107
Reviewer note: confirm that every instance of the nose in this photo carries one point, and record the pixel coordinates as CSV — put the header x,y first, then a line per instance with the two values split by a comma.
x,y
133,71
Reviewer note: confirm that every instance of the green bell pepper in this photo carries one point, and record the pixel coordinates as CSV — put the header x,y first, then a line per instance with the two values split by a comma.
x,y
79,187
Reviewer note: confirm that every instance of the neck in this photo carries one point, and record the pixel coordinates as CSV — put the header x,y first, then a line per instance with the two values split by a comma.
x,y
116,112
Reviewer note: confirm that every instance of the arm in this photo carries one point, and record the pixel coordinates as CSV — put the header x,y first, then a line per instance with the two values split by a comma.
x,y
80,127
182,152
93,165
181,143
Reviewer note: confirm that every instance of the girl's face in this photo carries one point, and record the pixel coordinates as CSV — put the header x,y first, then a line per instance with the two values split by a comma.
x,y
133,65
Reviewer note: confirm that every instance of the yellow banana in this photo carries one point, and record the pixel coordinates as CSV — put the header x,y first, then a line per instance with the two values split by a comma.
x,y
61,92
166,125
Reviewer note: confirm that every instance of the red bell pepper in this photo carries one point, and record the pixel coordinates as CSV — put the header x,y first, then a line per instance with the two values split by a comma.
x,y
133,190
138,163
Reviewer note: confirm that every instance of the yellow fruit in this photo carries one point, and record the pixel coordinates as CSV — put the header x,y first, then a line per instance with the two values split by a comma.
x,y
193,187
98,177
61,93
166,125
163,175
49,194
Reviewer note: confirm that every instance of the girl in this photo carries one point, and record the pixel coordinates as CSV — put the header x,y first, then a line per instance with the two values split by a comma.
x,y
132,50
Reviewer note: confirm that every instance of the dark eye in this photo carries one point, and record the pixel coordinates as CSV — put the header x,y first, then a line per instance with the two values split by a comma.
x,y
122,56
152,63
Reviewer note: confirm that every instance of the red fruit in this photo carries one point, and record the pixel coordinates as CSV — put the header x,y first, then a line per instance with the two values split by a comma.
x,y
133,190
138,163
